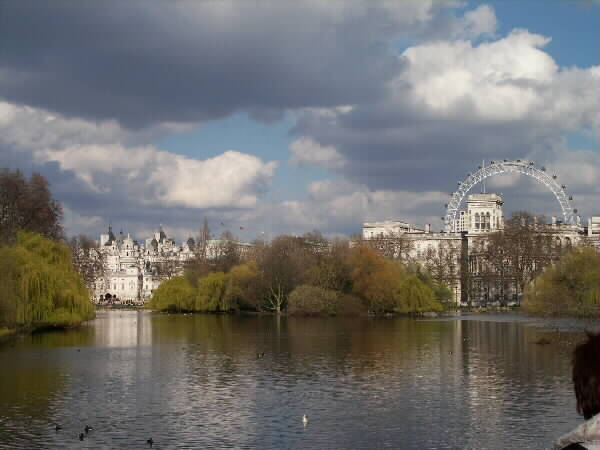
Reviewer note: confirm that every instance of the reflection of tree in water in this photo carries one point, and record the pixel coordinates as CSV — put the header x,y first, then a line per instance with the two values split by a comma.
x,y
27,390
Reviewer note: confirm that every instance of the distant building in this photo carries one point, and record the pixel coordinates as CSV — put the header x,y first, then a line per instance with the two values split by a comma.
x,y
134,270
387,228
451,254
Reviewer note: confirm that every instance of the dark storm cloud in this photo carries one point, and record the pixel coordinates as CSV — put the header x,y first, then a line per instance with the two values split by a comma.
x,y
148,62
401,150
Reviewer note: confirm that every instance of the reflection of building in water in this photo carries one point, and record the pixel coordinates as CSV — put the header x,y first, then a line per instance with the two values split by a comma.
x,y
459,260
124,329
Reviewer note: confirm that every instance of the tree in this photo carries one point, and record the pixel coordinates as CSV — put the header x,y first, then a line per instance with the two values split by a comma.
x,y
414,296
443,265
212,290
27,205
375,279
87,259
39,285
282,266
244,288
202,244
513,257
227,253
175,295
394,246
312,300
568,287
331,269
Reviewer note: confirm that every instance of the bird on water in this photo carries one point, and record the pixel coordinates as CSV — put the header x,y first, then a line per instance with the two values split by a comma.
x,y
57,427
150,442
87,429
81,436
305,419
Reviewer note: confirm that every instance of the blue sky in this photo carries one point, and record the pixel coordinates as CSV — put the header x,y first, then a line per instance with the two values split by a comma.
x,y
295,117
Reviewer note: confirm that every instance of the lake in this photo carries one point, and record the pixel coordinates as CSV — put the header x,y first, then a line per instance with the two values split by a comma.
x,y
201,381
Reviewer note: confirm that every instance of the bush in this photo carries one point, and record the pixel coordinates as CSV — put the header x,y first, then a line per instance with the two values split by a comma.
x,y
312,300
570,287
350,305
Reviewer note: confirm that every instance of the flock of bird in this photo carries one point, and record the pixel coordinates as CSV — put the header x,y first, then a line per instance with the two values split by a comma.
x,y
150,441
88,428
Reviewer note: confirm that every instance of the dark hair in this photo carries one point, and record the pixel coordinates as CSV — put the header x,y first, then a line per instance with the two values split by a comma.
x,y
586,376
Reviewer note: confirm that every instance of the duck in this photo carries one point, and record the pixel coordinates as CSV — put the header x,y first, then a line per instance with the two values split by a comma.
x,y
150,442
305,419
87,429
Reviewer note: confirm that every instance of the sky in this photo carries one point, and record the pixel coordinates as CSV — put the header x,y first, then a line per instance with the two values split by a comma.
x,y
269,117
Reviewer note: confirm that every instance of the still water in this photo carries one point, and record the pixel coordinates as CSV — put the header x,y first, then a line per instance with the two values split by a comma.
x,y
198,381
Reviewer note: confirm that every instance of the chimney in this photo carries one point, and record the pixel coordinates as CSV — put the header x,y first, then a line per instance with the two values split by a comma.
x,y
428,228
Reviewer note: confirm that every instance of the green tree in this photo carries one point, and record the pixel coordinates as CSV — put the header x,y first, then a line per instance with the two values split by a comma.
x,y
414,296
569,287
375,279
244,288
211,294
175,295
40,286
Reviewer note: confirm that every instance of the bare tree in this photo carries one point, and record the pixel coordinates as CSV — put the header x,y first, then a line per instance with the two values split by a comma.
x,y
508,260
394,246
27,205
87,260
202,242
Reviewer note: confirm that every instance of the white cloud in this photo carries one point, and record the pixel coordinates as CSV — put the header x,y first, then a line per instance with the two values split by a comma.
x,y
340,205
147,175
307,151
479,22
509,79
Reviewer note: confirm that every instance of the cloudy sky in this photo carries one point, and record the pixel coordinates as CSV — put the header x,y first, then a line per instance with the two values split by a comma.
x,y
270,116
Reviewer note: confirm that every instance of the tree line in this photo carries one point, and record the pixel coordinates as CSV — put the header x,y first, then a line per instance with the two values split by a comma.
x,y
299,275
39,285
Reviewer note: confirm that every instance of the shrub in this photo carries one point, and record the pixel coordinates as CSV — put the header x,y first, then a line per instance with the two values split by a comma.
x,y
349,305
312,300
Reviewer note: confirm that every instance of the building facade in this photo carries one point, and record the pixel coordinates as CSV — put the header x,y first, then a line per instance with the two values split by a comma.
x,y
463,259
133,270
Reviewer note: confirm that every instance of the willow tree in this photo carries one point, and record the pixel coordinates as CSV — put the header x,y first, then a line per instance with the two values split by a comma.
x,y
40,286
568,287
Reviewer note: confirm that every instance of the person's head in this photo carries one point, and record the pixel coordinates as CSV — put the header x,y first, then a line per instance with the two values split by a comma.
x,y
586,376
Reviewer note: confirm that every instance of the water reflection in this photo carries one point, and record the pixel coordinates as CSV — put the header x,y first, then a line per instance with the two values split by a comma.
x,y
201,381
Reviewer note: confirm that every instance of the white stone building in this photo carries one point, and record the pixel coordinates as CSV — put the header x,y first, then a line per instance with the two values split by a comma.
x,y
134,270
452,253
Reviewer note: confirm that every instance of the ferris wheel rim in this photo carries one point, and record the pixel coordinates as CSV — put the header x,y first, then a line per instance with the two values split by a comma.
x,y
508,166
